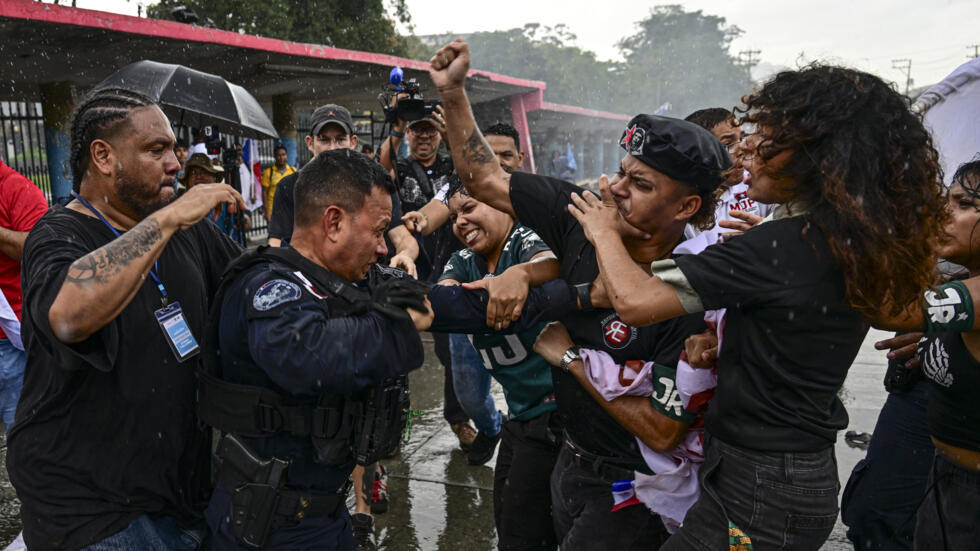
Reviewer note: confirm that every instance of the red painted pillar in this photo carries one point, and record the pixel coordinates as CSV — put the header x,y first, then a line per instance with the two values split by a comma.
x,y
519,106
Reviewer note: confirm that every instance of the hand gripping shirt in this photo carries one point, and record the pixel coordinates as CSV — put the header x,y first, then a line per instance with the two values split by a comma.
x,y
541,203
790,335
524,376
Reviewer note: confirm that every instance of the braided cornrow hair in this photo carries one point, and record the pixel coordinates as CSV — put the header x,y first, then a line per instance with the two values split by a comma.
x,y
96,118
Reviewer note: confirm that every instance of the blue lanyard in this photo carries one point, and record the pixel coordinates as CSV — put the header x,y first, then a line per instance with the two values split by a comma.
x,y
116,232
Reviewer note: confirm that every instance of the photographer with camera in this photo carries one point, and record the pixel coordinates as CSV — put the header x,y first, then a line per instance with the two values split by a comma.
x,y
422,176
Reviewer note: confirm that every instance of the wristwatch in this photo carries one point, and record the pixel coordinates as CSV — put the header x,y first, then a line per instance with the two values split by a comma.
x,y
568,357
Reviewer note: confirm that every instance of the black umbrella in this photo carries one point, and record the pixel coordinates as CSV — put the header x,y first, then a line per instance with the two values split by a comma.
x,y
194,98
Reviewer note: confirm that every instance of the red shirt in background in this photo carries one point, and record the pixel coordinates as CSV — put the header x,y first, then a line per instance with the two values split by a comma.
x,y
22,204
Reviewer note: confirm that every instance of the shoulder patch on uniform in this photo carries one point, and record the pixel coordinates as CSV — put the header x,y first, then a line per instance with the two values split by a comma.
x,y
274,293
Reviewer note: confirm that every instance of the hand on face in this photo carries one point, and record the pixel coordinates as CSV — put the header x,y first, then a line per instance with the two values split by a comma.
x,y
594,214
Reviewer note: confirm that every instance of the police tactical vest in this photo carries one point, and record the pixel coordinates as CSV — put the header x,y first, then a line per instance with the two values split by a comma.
x,y
364,426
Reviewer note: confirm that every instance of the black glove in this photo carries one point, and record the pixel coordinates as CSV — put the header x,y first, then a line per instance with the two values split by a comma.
x,y
393,296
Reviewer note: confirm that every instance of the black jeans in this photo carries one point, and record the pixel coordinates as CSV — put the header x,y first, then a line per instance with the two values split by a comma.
x,y
780,500
886,487
522,484
581,504
949,518
451,410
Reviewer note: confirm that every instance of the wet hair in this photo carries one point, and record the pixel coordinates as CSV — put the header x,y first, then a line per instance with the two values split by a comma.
x,y
864,169
455,186
98,117
710,117
504,129
968,176
340,177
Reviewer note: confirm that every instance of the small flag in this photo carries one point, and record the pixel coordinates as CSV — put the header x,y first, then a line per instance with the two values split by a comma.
x,y
252,187
624,494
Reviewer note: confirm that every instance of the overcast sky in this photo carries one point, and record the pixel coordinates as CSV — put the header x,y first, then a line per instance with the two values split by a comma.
x,y
867,34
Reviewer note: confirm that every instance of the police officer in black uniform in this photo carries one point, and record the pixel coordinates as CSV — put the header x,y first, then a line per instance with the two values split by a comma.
x,y
303,362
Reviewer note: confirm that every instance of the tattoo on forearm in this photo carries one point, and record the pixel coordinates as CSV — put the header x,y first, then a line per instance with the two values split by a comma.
x,y
103,263
476,150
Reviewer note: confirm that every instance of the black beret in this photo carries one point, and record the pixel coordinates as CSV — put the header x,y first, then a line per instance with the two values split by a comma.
x,y
680,149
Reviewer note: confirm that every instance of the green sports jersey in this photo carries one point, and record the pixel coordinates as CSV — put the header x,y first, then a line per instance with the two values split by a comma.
x,y
524,376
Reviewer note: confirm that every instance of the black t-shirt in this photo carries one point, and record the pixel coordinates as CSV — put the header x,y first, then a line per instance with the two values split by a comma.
x,y
789,336
417,185
106,428
541,204
281,221
954,417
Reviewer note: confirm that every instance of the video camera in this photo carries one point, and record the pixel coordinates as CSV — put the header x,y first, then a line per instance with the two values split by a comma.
x,y
407,109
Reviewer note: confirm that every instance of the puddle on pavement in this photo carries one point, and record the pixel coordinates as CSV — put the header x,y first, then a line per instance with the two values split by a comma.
x,y
440,503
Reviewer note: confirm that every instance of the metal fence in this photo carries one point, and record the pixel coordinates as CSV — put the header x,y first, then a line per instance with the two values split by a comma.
x,y
22,139
23,147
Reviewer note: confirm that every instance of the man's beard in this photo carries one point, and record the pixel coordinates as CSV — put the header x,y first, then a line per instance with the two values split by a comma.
x,y
128,191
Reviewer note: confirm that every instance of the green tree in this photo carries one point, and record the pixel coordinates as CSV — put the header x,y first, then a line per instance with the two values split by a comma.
x,y
538,52
682,58
360,25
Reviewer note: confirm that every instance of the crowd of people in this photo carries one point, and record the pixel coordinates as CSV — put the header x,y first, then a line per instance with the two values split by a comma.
x,y
670,350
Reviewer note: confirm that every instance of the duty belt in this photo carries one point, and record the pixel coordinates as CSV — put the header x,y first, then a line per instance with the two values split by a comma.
x,y
609,469
261,502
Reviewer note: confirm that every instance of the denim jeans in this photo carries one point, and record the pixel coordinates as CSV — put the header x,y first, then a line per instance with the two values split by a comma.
x,y
146,534
581,511
12,363
471,380
452,411
522,484
949,517
886,487
785,501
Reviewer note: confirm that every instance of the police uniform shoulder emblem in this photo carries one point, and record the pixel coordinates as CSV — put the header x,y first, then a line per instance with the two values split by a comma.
x,y
616,333
275,293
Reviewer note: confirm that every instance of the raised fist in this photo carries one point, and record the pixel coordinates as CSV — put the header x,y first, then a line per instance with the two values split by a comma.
x,y
450,64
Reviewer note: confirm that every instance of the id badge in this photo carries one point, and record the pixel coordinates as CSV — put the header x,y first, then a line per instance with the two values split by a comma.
x,y
176,331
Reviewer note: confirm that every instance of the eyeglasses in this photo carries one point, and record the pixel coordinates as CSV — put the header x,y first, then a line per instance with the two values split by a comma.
x,y
426,132
341,141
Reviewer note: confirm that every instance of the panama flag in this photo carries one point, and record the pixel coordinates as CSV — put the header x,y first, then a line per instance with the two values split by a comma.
x,y
251,172
624,494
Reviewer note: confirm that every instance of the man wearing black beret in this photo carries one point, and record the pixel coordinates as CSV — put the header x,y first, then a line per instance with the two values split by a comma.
x,y
666,181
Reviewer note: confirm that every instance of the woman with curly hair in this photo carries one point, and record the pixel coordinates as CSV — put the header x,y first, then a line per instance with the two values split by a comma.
x,y
861,202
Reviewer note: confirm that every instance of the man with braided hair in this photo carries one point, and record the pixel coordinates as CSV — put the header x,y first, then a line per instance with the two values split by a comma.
x,y
106,448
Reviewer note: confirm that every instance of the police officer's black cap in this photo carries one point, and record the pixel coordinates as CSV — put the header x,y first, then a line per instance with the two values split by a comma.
x,y
680,149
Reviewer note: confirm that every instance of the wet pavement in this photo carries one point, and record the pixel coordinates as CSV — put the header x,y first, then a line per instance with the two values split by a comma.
x,y
439,502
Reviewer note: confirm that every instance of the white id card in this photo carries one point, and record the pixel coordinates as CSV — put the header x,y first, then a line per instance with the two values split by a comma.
x,y
176,331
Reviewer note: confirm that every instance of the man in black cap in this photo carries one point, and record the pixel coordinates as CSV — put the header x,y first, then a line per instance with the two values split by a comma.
x,y
331,127
666,180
